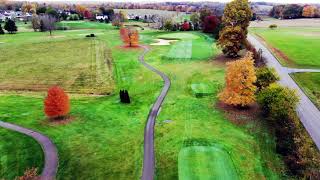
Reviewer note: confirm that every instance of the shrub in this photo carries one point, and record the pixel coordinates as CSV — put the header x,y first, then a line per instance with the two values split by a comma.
x,y
10,26
1,30
265,77
30,174
273,26
278,102
240,78
56,104
210,23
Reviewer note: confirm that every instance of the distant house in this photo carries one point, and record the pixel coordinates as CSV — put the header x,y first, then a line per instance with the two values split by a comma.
x,y
101,17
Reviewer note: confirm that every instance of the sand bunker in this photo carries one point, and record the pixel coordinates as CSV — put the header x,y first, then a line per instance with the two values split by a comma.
x,y
163,42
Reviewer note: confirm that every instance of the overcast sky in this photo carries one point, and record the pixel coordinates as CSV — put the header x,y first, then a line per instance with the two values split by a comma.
x,y
278,1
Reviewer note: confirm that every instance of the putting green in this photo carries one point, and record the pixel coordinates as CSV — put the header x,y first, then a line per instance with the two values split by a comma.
x,y
204,163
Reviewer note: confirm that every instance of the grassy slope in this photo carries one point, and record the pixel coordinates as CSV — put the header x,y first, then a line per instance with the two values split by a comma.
x,y
300,45
105,140
310,83
194,119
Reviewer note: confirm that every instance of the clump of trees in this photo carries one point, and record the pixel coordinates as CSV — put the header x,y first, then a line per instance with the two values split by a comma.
x,y
10,26
293,11
236,19
240,78
56,104
130,36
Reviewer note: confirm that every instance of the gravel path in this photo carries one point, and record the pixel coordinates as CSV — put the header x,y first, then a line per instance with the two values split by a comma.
x,y
309,114
148,159
50,151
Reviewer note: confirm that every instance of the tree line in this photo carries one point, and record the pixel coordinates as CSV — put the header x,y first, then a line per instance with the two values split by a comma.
x,y
294,11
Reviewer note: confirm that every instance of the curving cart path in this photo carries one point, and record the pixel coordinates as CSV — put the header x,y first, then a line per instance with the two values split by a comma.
x,y
308,113
148,159
50,151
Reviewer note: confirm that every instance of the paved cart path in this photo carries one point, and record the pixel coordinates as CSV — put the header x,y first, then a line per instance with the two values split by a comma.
x,y
149,159
50,151
308,113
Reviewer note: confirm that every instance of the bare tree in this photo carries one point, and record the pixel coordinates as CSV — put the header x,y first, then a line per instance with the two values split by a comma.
x,y
47,23
35,22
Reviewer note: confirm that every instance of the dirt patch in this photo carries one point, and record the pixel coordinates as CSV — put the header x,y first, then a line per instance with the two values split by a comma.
x,y
240,116
56,37
277,52
163,42
59,122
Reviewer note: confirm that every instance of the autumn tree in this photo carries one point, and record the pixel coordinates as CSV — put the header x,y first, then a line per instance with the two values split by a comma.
x,y
130,36
210,24
117,20
309,11
35,22
185,26
204,12
47,23
236,19
56,104
195,19
240,79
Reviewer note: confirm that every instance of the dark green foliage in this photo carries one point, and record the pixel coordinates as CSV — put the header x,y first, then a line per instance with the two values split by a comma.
x,y
265,77
292,11
124,96
41,10
273,26
1,30
10,26
52,12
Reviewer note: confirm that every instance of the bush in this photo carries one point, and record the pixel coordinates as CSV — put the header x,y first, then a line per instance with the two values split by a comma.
x,y
30,174
56,104
1,30
278,102
265,77
273,26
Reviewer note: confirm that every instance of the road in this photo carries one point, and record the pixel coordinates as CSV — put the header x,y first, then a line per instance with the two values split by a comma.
x,y
308,113
50,151
149,159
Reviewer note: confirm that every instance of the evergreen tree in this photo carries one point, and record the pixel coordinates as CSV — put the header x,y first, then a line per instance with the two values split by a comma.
x,y
1,30
10,26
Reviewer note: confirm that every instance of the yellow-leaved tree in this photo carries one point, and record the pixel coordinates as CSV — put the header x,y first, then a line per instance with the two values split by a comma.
x,y
240,79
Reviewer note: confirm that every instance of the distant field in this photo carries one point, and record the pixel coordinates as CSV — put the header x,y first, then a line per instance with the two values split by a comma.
x,y
294,47
287,22
310,83
78,65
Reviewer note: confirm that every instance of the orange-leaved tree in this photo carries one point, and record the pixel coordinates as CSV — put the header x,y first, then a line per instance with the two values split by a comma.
x,y
56,104
309,11
130,36
240,79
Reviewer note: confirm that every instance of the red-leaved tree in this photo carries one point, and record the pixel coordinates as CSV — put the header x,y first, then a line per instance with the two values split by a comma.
x,y
185,26
210,24
56,104
130,36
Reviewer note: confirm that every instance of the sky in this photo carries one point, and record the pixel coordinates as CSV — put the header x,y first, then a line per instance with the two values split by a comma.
x,y
278,1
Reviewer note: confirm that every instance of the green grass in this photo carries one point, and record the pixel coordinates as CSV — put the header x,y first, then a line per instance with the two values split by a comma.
x,y
201,162
299,45
105,140
310,83
18,152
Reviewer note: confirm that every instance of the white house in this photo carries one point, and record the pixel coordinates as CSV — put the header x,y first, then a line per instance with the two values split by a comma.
x,y
98,17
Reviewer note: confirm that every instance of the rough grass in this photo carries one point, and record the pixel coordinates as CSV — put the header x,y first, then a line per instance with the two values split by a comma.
x,y
205,162
295,46
310,83
78,65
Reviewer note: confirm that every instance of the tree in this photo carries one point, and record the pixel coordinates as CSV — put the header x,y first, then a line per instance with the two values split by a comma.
x,y
130,36
35,22
210,23
195,18
204,12
168,25
240,79
10,26
47,23
231,40
41,10
236,19
117,20
292,11
265,77
185,26
56,104
1,30
277,11
309,11
52,12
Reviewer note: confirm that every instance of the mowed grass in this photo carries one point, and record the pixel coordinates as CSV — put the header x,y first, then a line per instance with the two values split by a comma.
x,y
205,162
18,152
190,46
77,65
295,46
310,83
